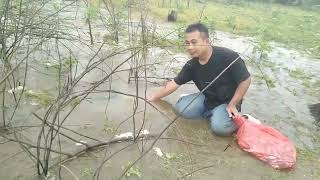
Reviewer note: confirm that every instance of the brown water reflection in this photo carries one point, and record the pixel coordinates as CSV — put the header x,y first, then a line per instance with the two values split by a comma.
x,y
191,145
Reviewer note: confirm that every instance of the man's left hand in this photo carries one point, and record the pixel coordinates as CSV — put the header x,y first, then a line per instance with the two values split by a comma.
x,y
232,110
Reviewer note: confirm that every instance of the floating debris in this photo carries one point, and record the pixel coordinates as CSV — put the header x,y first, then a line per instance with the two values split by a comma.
x,y
130,134
144,132
34,103
30,92
81,143
125,135
49,64
158,151
18,88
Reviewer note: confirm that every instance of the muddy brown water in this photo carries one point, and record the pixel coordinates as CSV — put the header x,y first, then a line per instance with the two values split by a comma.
x,y
192,145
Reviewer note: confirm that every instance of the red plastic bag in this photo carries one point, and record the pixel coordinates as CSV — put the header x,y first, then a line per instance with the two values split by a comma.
x,y
266,143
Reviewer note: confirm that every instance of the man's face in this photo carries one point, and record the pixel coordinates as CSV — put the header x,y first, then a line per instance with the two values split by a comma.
x,y
196,43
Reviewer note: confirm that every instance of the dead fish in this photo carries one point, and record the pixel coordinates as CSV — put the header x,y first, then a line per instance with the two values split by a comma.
x,y
251,118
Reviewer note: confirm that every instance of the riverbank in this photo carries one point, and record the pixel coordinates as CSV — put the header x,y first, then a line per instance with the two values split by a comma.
x,y
295,27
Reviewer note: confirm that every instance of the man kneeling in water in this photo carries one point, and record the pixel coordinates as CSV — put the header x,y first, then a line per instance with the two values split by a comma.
x,y
222,99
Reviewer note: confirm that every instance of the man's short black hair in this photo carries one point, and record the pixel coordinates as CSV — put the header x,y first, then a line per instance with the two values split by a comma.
x,y
198,27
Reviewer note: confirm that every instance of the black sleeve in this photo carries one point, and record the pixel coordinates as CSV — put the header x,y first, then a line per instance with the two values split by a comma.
x,y
185,75
239,71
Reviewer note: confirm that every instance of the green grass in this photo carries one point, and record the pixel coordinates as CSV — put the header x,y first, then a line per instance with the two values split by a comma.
x,y
269,81
65,65
133,171
316,84
86,173
295,27
299,74
310,158
44,98
307,154
174,163
109,128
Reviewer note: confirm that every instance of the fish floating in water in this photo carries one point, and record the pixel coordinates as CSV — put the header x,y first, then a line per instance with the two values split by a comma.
x,y
251,118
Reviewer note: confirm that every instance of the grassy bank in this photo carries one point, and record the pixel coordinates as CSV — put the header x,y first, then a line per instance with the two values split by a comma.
x,y
292,26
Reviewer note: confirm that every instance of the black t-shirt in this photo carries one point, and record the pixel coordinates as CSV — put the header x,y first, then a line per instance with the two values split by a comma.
x,y
223,89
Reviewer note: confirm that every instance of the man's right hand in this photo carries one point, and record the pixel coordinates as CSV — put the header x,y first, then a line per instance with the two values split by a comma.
x,y
170,87
152,99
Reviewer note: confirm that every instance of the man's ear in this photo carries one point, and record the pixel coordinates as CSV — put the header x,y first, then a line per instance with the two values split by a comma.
x,y
207,40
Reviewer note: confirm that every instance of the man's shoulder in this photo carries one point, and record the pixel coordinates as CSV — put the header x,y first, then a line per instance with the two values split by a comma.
x,y
223,50
225,54
192,62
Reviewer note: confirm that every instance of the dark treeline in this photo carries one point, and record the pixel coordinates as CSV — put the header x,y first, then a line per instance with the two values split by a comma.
x,y
298,2
294,2
304,3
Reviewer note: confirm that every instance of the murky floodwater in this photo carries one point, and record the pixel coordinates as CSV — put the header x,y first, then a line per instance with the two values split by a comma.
x,y
188,145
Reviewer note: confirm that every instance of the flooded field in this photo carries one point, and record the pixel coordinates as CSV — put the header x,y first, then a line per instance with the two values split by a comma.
x,y
108,101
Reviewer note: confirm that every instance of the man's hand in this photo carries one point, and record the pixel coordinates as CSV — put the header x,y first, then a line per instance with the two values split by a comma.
x,y
164,91
238,95
152,98
232,110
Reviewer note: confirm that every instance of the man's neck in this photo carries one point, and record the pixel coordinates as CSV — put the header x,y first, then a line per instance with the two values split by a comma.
x,y
206,55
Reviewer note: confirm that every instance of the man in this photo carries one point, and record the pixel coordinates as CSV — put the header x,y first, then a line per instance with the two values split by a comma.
x,y
221,100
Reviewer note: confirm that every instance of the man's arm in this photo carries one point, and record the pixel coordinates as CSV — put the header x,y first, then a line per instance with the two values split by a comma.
x,y
238,95
169,88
